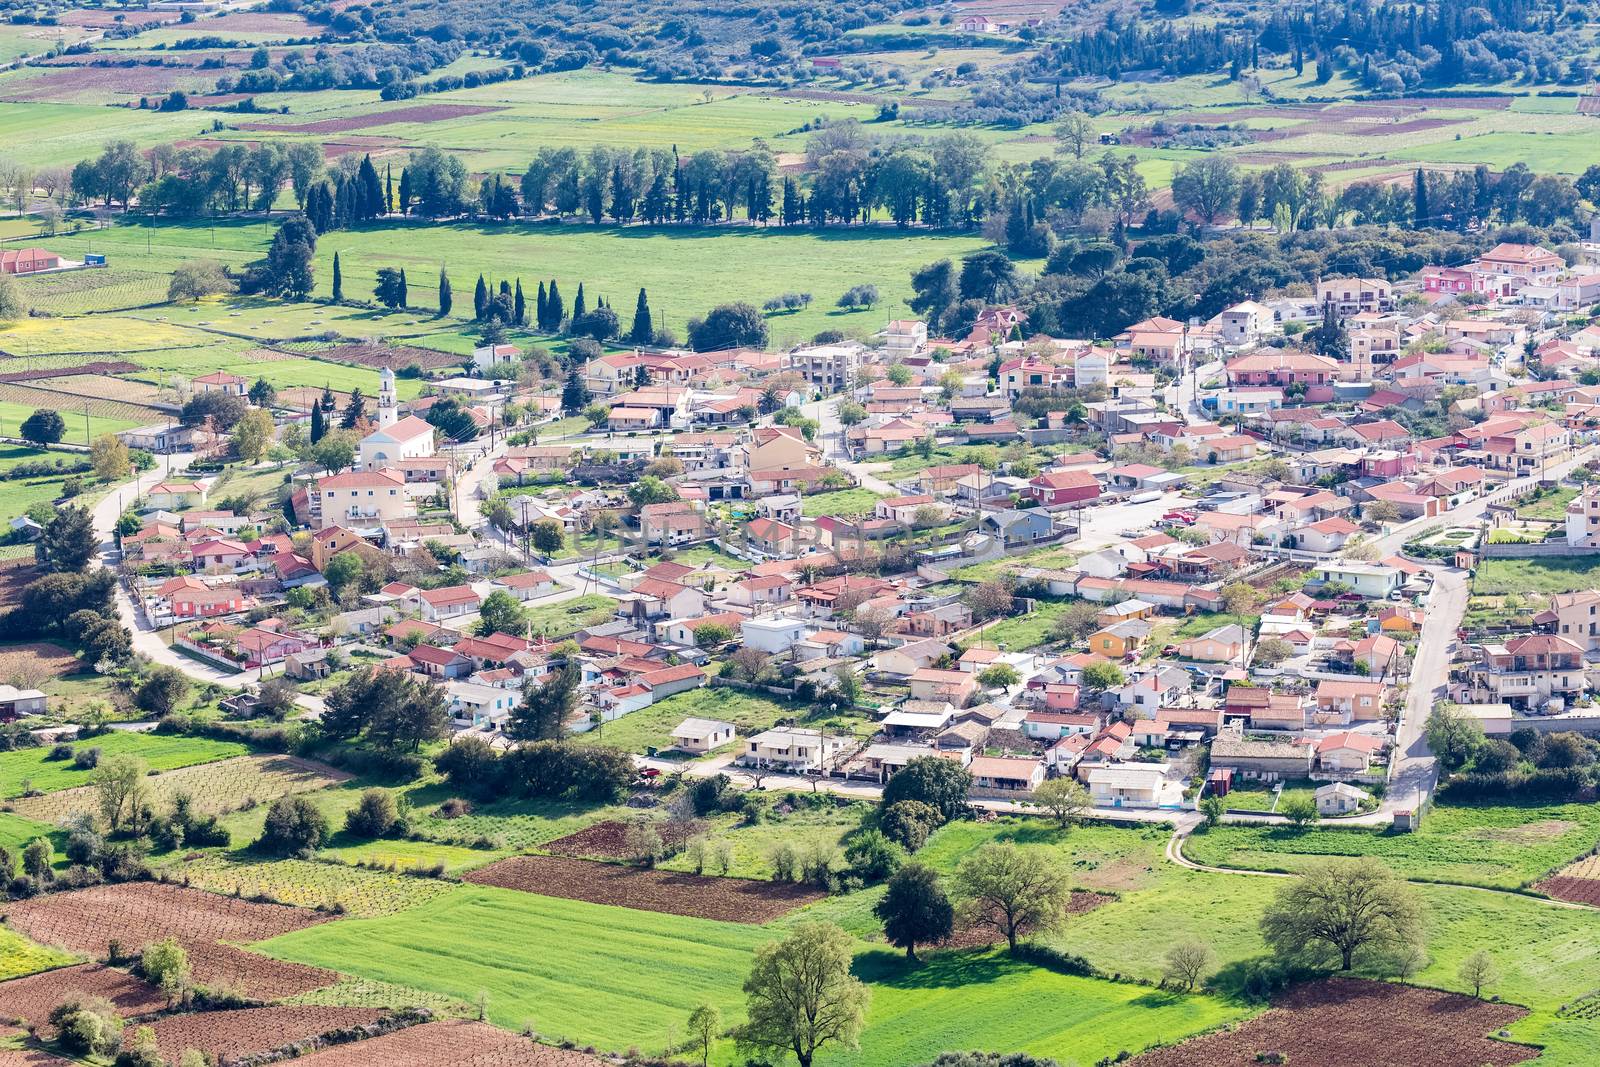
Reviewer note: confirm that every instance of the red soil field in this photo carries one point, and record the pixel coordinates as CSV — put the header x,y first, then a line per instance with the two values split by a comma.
x,y
608,840
737,900
105,19
137,913
260,22
30,1058
120,366
451,1043
1338,1022
423,113
1575,890
227,1035
395,357
33,997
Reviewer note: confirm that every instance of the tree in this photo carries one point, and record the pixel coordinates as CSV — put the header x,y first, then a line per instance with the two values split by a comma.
x,y
110,458
1074,133
354,411
338,281
197,279
801,996
651,490
939,783
712,635
851,412
1341,910
337,449
1000,676
390,291
165,965
1064,798
1299,809
643,330
914,909
119,789
44,427
342,570
1384,511
1207,186
445,298
991,599
1187,964
501,612
1212,808
1273,651
163,691
898,374
547,536
69,539
1239,598
375,815
1452,735
1101,675
252,435
736,325
575,395
12,306
294,826
1012,890
908,822
222,410
544,710
1477,971
38,860
262,394
705,1023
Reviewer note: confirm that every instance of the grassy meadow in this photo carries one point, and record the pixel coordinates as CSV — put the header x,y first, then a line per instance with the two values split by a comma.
x,y
160,752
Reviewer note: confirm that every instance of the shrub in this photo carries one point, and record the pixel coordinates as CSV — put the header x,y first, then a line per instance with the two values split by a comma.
x,y
872,856
60,751
374,816
293,826
88,1026
86,759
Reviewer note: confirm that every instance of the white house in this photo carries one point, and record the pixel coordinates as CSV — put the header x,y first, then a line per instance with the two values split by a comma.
x,y
407,438
1339,798
1373,580
792,749
477,706
1127,785
701,735
494,355
772,634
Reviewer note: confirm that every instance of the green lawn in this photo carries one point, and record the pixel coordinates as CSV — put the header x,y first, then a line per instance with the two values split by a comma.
x,y
1504,847
797,819
567,617
594,974
1562,574
1551,506
1021,632
161,752
846,503
652,727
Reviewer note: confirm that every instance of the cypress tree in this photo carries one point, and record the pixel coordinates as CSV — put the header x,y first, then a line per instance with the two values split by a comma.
x,y
444,294
318,427
388,188
578,306
480,298
520,306
369,192
541,313
505,287
556,307
643,329
405,191
403,298
338,281
1419,195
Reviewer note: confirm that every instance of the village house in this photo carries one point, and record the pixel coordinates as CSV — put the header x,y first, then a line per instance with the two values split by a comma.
x,y
701,735
793,750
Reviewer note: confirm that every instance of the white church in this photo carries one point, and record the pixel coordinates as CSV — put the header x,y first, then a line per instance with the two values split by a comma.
x,y
395,438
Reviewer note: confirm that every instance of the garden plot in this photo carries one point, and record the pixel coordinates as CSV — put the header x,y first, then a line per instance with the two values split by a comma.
x,y
216,788
138,913
310,884
29,1000
225,1036
1578,882
449,1043
608,840
739,900
1336,1022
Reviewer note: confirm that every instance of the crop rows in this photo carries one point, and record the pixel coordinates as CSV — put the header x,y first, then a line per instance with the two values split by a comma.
x,y
224,1036
311,884
449,1043
32,998
85,291
217,788
50,398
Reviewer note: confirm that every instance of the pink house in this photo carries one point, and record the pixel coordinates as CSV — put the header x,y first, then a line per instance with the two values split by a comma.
x,y
1388,464
1446,280
219,553
259,646
1282,366
1060,488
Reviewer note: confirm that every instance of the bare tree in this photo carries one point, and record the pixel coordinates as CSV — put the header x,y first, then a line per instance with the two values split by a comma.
x,y
1187,964
1477,971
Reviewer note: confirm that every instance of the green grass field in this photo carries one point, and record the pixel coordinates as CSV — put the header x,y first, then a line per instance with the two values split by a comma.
x,y
567,617
686,270
16,832
160,751
1503,847
652,727
847,503
1563,574
19,956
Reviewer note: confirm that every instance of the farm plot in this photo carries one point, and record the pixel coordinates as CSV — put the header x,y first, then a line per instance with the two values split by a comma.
x,y
225,1036
30,999
737,900
420,113
309,884
105,404
96,333
33,663
216,788
375,355
137,913
81,292
598,975
449,1043
607,840
162,752
19,956
1578,882
29,1057
1343,1021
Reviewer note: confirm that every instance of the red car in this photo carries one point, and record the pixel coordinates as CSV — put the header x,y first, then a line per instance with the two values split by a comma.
x,y
1180,516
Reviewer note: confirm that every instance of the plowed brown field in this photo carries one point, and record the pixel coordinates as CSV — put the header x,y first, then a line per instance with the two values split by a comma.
x,y
609,839
738,900
226,1035
1339,1022
452,1043
33,997
137,913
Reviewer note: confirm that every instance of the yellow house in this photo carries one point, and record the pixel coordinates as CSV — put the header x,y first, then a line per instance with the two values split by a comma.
x,y
1120,639
776,447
